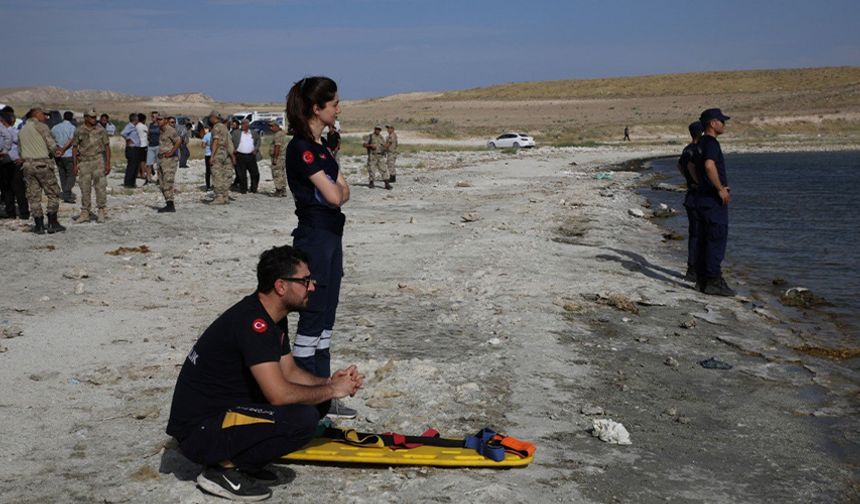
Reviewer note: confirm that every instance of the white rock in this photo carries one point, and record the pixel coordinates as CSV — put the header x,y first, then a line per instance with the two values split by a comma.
x,y
610,431
44,299
79,288
494,341
635,212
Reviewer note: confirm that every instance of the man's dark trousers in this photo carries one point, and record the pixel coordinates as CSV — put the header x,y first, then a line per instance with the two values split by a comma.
x,y
247,163
131,168
712,227
65,171
183,155
17,191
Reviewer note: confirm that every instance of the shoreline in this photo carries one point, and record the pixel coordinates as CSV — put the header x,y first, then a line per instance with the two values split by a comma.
x,y
457,325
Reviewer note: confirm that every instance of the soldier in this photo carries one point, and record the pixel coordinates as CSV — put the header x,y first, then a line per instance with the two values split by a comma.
x,y
91,155
376,146
168,145
278,151
391,153
223,159
37,146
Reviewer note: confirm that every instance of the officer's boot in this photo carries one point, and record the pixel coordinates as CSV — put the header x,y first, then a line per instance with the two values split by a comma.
x,y
370,184
54,225
394,178
84,217
39,228
718,287
690,276
387,185
167,208
102,215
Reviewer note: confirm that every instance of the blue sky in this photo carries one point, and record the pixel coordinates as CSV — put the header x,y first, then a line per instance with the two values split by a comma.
x,y
253,50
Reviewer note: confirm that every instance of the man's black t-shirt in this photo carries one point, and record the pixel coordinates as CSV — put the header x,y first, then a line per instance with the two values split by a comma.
x,y
690,154
216,374
304,158
710,149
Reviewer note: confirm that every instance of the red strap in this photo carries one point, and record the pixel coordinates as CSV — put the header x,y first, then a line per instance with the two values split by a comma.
x,y
399,440
517,446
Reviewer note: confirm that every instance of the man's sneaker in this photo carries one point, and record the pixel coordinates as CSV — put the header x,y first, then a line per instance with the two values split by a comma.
x,y
718,287
232,484
261,474
340,410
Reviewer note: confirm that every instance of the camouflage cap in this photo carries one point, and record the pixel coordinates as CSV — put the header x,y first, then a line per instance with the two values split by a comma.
x,y
35,107
377,127
214,113
91,112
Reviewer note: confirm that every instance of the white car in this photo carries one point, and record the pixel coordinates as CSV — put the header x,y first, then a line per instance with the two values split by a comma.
x,y
515,140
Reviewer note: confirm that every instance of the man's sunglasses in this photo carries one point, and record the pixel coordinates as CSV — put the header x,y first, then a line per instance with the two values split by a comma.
x,y
304,280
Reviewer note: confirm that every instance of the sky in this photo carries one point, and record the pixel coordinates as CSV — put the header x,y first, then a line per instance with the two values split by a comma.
x,y
253,50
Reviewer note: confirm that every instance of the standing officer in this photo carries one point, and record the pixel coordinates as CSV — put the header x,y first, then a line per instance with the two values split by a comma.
x,y
391,153
91,154
168,145
376,147
712,206
687,167
278,151
222,159
37,145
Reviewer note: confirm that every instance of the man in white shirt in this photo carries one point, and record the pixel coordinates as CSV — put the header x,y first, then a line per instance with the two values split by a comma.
x,y
63,133
145,169
247,144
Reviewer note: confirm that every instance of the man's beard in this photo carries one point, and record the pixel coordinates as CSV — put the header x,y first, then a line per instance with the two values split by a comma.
x,y
300,306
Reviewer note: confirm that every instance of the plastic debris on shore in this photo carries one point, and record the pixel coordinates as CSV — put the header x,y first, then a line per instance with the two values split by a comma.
x,y
603,175
610,431
635,212
713,363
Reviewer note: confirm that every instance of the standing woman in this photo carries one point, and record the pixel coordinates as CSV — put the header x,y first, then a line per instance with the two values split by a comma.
x,y
319,190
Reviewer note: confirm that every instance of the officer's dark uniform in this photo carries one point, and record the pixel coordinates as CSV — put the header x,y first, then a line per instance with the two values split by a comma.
x,y
712,217
690,154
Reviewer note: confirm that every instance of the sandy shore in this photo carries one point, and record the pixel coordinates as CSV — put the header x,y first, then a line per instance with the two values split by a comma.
x,y
511,321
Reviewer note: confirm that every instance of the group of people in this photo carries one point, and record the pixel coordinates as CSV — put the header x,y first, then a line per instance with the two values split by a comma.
x,y
707,203
381,156
27,171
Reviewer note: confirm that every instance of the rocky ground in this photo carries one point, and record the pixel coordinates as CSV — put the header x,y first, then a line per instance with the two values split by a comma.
x,y
512,290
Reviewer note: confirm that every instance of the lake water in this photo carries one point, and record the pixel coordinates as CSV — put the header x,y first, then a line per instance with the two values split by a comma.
x,y
794,216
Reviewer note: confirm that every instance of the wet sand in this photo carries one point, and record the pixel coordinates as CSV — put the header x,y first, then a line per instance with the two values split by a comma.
x,y
556,304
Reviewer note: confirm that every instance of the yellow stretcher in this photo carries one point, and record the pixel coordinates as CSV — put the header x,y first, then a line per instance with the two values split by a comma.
x,y
326,450
335,452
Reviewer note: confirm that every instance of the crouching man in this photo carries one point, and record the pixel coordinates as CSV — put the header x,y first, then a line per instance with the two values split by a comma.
x,y
240,401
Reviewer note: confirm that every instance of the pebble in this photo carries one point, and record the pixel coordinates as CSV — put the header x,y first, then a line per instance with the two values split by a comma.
x,y
471,216
412,220
670,361
635,212
683,420
494,341
687,324
671,411
11,332
44,299
79,288
76,274
591,410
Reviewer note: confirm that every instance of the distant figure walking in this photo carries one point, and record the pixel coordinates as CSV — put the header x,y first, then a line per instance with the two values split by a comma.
x,y
627,133
376,154
687,167
712,206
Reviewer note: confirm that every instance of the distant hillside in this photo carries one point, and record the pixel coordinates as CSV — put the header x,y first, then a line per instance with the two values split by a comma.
x,y
52,95
745,81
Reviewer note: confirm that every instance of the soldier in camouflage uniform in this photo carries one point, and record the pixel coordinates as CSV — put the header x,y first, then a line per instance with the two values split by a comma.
x,y
223,159
91,154
376,145
168,161
278,152
391,153
36,148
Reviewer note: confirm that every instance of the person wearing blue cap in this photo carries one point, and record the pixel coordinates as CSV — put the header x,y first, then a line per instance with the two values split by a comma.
x,y
687,167
712,206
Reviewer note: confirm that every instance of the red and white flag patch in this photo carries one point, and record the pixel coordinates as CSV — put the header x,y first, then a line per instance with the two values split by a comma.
x,y
308,157
259,326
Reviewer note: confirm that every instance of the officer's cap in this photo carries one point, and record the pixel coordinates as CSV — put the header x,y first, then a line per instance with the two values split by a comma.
x,y
389,126
91,112
377,127
35,107
696,128
214,113
712,113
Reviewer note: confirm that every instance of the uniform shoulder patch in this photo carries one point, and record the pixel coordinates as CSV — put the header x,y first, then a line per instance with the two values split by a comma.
x,y
308,157
259,326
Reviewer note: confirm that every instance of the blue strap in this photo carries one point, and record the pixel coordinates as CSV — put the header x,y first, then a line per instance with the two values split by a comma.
x,y
480,442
